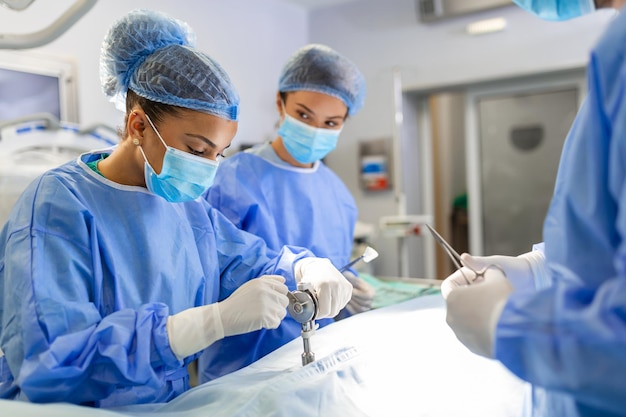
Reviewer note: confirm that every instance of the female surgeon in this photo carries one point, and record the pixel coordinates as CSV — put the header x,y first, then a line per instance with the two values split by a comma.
x,y
283,192
113,274
558,319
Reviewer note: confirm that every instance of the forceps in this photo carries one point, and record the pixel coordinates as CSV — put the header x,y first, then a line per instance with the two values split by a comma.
x,y
456,258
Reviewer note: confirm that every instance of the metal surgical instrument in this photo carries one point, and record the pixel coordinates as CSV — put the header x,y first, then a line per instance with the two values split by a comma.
x,y
456,258
369,254
303,305
303,308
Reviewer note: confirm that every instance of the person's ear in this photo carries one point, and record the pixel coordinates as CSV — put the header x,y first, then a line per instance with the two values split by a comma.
x,y
136,124
279,104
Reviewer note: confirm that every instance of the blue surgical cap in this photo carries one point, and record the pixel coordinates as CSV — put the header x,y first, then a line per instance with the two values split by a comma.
x,y
153,55
321,69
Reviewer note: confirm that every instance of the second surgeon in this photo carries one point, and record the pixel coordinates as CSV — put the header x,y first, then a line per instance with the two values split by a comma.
x,y
283,192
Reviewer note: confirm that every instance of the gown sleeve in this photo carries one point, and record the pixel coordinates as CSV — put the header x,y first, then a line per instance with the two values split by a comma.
x,y
59,342
243,256
571,336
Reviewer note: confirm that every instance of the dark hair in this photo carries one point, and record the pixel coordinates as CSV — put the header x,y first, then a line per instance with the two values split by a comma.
x,y
156,111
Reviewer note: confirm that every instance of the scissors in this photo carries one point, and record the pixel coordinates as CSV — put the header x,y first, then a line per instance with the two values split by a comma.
x,y
456,258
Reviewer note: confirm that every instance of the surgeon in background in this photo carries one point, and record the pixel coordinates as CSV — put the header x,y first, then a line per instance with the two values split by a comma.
x,y
283,192
559,320
114,275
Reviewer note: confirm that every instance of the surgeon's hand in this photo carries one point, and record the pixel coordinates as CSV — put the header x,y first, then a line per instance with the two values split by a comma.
x,y
259,303
473,311
362,294
522,271
332,289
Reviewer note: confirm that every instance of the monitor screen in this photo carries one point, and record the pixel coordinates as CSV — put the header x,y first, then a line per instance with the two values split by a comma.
x,y
31,84
25,93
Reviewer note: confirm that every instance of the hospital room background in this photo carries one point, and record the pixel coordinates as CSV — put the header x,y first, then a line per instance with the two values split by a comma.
x,y
466,101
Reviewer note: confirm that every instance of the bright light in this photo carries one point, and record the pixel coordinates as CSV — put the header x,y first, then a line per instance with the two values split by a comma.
x,y
486,26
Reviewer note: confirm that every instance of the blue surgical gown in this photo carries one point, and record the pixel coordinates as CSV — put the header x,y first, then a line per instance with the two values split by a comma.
x,y
89,272
569,339
284,205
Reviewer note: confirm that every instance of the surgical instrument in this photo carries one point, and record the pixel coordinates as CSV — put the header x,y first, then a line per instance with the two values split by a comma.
x,y
369,254
303,308
303,305
457,260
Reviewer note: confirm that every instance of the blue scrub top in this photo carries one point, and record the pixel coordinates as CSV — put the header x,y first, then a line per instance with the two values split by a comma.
x,y
284,205
89,272
569,339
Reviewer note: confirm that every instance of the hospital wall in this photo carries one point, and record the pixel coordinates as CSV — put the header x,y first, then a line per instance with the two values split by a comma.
x,y
380,35
251,39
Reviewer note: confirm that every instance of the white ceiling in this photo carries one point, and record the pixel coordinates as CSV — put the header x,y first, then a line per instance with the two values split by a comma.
x,y
317,4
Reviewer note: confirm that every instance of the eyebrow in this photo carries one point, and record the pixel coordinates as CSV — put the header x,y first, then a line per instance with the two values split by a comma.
x,y
203,139
313,113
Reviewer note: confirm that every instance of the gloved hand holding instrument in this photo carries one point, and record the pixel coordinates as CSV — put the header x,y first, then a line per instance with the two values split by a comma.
x,y
468,274
331,289
475,301
257,304
304,303
522,271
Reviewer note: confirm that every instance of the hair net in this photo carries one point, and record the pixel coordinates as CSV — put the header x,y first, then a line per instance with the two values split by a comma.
x,y
154,55
321,69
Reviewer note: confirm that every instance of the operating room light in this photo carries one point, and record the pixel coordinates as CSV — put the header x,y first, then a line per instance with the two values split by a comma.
x,y
482,27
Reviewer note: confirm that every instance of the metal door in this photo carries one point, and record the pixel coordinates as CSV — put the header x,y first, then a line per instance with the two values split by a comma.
x,y
520,138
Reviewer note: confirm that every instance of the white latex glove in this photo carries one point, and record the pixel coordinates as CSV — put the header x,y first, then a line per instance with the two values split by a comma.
x,y
362,294
522,271
332,289
473,311
257,304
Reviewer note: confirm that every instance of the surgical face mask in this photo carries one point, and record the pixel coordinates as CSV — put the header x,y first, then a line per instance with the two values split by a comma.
x,y
183,177
557,9
306,143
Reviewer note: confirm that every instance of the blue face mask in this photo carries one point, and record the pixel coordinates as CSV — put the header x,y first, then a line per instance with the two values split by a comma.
x,y
557,10
306,143
183,177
